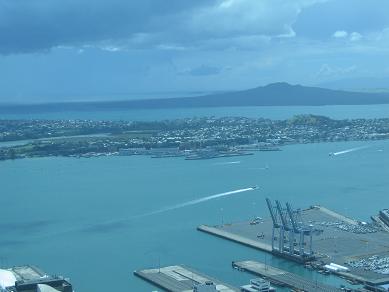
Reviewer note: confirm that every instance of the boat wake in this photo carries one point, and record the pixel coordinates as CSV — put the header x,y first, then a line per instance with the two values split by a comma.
x,y
227,163
171,208
201,200
112,225
348,151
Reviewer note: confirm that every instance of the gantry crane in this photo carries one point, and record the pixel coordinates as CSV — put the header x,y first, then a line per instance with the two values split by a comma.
x,y
288,225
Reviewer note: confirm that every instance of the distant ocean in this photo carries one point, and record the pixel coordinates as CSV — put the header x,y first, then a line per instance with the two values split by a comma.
x,y
79,217
271,112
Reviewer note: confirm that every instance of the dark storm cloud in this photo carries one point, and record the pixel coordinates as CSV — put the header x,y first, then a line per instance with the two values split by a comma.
x,y
38,25
27,26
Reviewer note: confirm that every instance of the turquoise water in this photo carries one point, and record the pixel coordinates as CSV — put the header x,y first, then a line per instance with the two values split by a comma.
x,y
75,216
78,217
271,112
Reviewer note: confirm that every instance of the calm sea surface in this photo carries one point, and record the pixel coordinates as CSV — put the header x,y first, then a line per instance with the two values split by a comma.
x,y
78,217
271,112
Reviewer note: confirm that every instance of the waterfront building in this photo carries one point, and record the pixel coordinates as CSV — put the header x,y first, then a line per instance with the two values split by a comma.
x,y
31,279
206,287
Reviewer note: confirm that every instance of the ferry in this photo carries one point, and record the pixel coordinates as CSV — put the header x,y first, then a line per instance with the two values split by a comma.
x,y
258,285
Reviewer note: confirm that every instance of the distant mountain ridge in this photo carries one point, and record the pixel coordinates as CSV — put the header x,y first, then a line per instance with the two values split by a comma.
x,y
275,94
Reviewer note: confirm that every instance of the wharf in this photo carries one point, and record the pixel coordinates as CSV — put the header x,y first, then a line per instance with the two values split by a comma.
x,y
283,278
339,239
217,231
180,279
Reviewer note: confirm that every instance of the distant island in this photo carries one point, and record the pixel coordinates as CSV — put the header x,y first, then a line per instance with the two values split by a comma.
x,y
195,138
276,94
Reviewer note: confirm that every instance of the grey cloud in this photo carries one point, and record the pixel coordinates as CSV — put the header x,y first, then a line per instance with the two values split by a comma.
x,y
235,18
39,25
27,26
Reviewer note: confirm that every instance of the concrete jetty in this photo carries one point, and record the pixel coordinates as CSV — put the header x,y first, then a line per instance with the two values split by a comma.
x,y
180,279
217,231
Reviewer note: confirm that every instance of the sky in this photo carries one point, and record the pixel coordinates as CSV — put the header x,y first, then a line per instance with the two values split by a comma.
x,y
68,50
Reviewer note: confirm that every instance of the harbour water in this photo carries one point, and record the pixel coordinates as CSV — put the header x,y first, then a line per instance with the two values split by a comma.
x,y
270,112
90,219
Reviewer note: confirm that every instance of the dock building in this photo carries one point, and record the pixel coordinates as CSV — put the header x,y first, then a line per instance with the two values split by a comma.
x,y
31,279
208,286
258,285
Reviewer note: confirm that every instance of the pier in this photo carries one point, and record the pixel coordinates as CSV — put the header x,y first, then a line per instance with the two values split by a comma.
x,y
180,279
283,278
226,234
